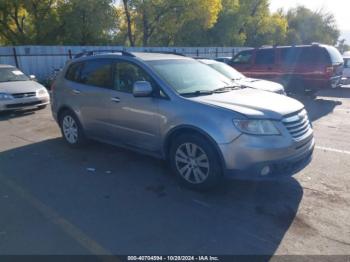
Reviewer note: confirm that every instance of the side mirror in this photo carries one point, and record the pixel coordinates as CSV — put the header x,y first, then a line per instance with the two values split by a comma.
x,y
142,89
32,77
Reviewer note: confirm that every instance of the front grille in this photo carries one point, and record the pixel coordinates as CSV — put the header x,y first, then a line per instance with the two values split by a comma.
x,y
24,104
298,125
24,95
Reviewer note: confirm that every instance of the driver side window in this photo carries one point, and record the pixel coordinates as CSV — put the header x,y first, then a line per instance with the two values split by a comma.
x,y
126,74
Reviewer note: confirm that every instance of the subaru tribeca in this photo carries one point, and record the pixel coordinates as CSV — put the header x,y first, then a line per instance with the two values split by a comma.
x,y
176,108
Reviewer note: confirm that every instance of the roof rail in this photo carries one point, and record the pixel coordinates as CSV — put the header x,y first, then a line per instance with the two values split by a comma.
x,y
166,52
95,52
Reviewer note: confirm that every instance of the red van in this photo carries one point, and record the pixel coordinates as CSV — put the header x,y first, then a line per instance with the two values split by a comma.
x,y
298,67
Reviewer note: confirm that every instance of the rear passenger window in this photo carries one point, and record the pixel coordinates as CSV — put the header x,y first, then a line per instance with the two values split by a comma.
x,y
312,55
289,55
73,72
243,57
97,73
265,57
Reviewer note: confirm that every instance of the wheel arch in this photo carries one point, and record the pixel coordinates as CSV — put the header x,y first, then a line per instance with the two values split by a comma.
x,y
63,109
188,129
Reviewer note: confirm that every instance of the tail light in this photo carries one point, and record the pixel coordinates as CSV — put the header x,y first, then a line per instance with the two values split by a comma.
x,y
329,70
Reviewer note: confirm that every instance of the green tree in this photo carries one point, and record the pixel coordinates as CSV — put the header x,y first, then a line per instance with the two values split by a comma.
x,y
343,46
306,26
87,22
28,21
157,22
247,22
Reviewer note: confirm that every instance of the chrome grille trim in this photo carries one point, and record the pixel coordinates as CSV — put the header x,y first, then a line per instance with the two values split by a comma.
x,y
298,125
24,95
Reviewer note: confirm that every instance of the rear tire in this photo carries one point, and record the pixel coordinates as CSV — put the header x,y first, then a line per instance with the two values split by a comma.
x,y
72,130
195,161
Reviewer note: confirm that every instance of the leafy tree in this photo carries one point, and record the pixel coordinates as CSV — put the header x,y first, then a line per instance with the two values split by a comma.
x,y
157,22
87,22
28,21
306,26
343,46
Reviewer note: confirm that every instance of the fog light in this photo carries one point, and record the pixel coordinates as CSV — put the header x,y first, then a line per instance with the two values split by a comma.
x,y
265,170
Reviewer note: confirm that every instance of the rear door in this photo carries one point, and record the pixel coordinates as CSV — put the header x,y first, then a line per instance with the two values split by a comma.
x,y
91,95
264,66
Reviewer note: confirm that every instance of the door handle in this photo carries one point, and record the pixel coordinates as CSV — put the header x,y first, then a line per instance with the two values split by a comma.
x,y
115,99
76,91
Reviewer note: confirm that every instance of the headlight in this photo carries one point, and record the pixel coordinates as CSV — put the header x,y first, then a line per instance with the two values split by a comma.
x,y
4,96
41,92
256,127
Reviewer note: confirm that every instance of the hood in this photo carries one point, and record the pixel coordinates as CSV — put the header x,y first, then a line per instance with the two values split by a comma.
x,y
261,84
19,87
253,103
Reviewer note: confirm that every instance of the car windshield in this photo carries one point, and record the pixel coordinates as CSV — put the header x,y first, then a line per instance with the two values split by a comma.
x,y
227,71
10,74
189,76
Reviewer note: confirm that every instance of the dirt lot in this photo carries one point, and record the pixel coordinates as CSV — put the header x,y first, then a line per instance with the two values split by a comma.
x,y
130,204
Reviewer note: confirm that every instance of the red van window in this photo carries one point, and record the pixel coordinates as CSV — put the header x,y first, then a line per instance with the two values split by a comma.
x,y
265,57
243,57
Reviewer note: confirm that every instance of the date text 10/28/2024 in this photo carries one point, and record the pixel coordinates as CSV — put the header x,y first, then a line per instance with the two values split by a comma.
x,y
173,258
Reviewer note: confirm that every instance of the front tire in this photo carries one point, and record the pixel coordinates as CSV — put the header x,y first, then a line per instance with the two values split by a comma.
x,y
71,129
42,107
195,162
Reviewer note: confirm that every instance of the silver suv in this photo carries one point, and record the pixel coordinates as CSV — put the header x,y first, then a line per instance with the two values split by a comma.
x,y
176,108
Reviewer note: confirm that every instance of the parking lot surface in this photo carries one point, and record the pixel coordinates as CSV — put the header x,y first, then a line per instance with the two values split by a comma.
x,y
105,200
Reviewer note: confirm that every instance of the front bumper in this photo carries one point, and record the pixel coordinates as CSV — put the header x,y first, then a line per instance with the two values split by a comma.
x,y
24,103
245,159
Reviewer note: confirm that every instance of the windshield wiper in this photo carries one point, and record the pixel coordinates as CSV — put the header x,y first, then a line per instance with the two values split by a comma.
x,y
226,89
198,93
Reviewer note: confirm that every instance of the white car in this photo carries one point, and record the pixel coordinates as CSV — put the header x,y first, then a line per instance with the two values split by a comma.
x,y
346,71
18,91
243,81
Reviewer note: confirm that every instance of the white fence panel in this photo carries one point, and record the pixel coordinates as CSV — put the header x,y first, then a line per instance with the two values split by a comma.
x,y
43,60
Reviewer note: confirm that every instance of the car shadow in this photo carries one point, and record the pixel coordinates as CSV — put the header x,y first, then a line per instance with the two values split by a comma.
x,y
341,92
132,204
7,115
316,106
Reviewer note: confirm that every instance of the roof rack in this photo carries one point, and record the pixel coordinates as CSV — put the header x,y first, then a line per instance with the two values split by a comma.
x,y
165,52
95,52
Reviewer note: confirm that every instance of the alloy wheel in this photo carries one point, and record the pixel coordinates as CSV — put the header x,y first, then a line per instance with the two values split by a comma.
x,y
192,163
70,129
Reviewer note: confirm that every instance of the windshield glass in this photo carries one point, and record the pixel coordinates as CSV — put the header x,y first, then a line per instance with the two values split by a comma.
x,y
186,76
227,71
10,74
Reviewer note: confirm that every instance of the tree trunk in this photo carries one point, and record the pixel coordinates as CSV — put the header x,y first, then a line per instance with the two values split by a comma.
x,y
145,28
128,21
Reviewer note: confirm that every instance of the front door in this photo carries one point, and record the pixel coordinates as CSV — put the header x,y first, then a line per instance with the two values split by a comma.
x,y
134,120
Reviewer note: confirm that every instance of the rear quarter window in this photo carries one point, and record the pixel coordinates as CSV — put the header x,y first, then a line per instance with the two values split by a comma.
x,y
73,72
334,54
304,55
